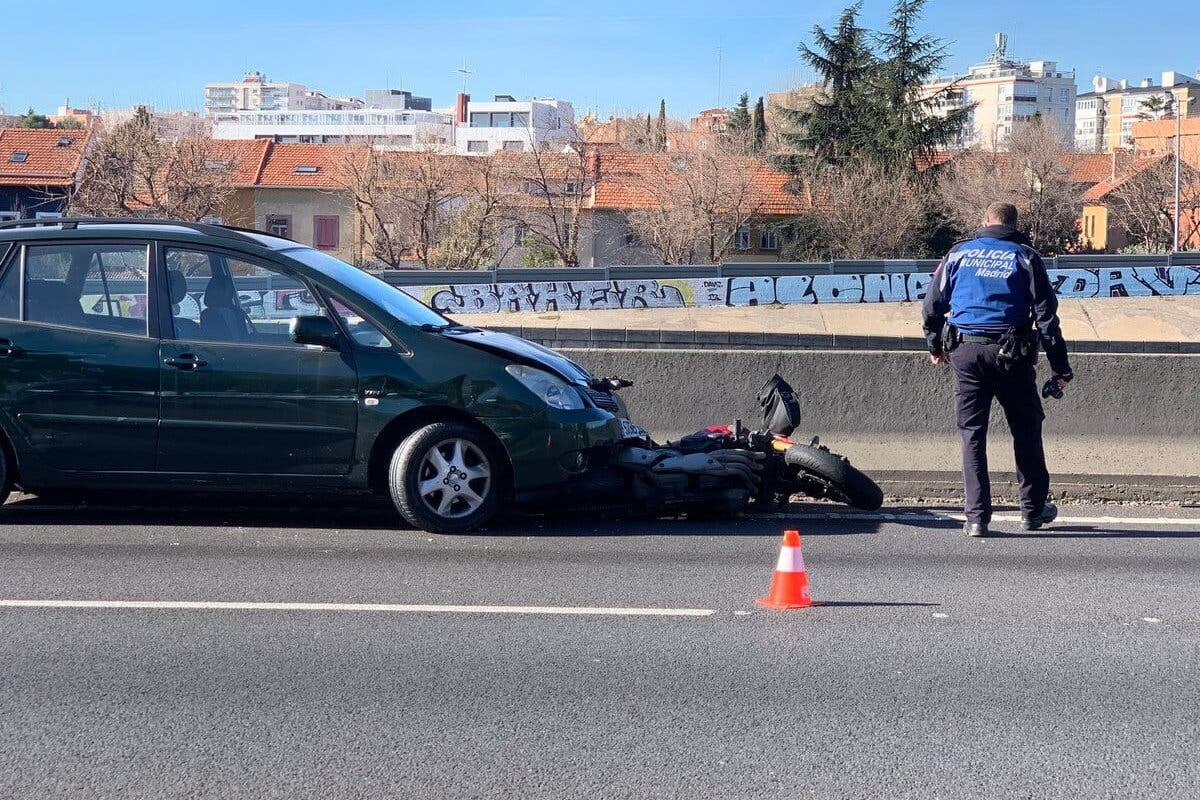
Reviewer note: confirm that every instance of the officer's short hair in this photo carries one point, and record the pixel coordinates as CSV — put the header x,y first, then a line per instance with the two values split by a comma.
x,y
1002,214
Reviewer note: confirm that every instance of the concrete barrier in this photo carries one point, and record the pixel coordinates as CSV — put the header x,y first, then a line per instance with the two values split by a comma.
x,y
1124,414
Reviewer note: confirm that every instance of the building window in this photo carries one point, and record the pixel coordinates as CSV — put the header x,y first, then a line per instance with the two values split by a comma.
x,y
279,225
19,157
769,239
520,232
515,147
477,146
325,232
480,119
741,239
571,188
520,119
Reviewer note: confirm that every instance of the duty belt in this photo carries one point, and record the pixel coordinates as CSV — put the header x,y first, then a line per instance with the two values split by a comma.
x,y
983,338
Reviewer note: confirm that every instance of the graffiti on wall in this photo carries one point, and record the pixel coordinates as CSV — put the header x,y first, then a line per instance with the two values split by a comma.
x,y
787,290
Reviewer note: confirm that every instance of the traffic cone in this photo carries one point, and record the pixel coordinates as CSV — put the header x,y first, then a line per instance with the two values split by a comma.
x,y
789,586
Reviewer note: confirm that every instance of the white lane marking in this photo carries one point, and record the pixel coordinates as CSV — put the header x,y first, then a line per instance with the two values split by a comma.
x,y
207,605
934,516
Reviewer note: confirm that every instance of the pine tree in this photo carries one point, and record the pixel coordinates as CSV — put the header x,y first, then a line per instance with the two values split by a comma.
x,y
900,128
660,133
739,117
828,131
758,126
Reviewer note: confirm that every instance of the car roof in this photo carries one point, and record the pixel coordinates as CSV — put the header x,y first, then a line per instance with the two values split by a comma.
x,y
135,228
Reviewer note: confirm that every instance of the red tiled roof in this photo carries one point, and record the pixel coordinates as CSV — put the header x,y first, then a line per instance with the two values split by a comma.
x,y
1090,168
52,160
245,158
1127,171
282,160
627,180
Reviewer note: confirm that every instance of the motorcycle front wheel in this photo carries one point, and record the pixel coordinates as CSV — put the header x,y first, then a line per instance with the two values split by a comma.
x,y
840,479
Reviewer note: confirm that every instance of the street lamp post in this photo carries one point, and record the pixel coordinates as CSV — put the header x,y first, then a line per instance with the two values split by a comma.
x,y
1178,174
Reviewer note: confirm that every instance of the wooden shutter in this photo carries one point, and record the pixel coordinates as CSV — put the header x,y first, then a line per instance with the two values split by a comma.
x,y
326,233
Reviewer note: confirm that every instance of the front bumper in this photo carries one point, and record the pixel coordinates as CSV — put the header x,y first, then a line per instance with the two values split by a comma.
x,y
556,449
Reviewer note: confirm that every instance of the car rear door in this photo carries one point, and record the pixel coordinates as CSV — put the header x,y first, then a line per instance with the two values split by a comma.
x,y
238,396
79,369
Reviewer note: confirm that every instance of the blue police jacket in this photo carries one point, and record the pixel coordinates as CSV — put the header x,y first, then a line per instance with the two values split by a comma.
x,y
992,283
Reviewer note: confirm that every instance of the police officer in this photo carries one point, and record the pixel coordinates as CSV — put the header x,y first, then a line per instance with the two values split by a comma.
x,y
1000,303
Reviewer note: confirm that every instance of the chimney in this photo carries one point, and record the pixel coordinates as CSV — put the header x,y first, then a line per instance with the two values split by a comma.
x,y
460,108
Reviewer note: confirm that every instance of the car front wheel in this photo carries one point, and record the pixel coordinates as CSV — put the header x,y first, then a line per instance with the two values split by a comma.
x,y
446,478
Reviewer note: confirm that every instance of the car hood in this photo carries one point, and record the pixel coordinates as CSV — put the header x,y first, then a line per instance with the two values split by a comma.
x,y
520,351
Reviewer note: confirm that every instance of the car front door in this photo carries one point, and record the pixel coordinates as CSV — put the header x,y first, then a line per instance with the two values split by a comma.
x,y
79,364
238,395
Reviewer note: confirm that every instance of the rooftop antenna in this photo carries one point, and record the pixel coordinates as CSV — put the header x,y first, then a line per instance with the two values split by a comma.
x,y
465,72
1001,51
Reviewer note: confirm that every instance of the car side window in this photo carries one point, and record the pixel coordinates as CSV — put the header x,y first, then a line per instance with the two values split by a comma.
x,y
361,330
223,299
10,288
99,287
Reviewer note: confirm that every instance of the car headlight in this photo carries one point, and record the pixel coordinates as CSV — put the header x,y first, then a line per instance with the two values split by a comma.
x,y
550,389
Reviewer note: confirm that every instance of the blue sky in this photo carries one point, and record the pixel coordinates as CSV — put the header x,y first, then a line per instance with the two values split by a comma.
x,y
618,54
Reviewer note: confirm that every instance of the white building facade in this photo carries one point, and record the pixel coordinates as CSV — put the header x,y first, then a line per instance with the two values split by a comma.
x,y
1105,116
505,123
384,128
1006,93
254,92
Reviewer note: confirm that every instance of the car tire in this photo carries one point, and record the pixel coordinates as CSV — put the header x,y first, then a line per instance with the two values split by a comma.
x,y
843,481
447,477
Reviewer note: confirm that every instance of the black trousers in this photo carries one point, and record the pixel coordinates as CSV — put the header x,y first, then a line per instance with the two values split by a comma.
x,y
980,376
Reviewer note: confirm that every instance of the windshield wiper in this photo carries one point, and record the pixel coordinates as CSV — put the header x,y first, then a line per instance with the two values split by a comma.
x,y
450,327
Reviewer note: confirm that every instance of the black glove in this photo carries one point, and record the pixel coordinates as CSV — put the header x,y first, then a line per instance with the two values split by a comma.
x,y
1054,386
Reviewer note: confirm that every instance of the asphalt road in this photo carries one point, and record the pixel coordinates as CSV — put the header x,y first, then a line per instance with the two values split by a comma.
x,y
1059,664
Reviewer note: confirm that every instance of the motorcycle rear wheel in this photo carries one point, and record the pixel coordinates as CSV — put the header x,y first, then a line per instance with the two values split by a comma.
x,y
843,482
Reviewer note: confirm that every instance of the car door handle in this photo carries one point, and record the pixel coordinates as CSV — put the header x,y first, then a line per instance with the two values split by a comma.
x,y
7,350
187,361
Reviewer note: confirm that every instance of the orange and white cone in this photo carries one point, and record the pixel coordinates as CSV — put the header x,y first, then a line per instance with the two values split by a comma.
x,y
789,586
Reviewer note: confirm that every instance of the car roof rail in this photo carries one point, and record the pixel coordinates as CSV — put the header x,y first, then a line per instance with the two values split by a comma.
x,y
73,223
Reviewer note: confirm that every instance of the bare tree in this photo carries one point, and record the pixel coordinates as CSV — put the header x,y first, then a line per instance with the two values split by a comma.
x,y
131,172
866,211
696,198
553,190
471,234
428,205
1032,175
1142,205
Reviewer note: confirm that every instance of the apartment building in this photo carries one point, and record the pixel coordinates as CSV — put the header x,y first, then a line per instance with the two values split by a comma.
x,y
395,129
505,123
254,92
1005,93
1105,116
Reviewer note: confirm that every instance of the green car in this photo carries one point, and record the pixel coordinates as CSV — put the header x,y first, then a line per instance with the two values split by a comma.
x,y
144,354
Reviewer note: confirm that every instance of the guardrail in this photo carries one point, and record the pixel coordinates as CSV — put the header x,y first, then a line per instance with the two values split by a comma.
x,y
747,269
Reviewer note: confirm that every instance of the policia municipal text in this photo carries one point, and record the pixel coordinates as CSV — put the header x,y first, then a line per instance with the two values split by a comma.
x,y
997,295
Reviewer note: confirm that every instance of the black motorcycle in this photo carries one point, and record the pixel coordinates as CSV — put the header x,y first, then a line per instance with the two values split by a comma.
x,y
725,469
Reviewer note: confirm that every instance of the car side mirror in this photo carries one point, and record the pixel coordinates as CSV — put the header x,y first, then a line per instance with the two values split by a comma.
x,y
315,330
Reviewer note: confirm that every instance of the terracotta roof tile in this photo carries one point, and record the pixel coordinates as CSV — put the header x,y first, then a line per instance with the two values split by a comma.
x,y
1127,171
627,178
52,156
302,166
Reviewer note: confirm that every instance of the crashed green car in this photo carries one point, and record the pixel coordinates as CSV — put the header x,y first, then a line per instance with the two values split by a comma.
x,y
142,354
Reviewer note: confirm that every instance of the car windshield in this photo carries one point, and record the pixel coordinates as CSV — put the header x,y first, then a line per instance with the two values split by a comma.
x,y
407,309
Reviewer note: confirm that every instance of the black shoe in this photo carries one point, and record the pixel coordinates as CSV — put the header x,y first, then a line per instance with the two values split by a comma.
x,y
977,530
1031,522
